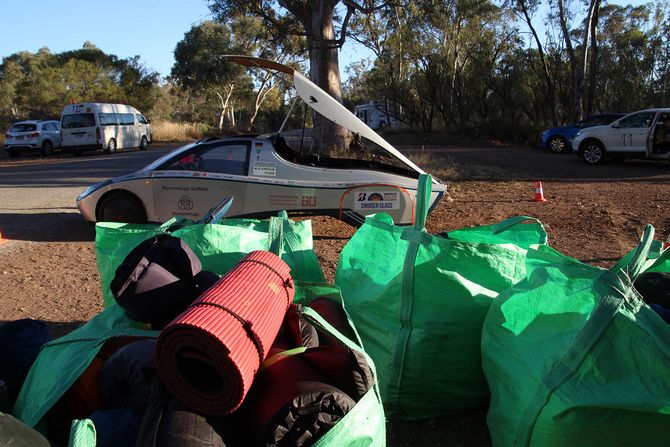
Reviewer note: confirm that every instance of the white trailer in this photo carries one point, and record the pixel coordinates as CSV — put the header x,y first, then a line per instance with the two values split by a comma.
x,y
376,115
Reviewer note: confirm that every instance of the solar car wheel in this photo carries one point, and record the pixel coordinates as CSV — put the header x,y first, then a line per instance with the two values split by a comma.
x,y
121,207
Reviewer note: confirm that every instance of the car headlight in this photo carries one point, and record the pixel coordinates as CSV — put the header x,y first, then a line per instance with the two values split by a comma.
x,y
91,189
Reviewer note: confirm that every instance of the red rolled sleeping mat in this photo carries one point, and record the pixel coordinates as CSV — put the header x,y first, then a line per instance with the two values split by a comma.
x,y
208,356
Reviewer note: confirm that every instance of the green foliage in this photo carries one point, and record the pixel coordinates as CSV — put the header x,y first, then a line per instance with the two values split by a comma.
x,y
39,85
468,66
199,60
202,78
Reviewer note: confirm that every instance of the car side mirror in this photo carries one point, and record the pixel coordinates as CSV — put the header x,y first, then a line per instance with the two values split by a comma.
x,y
615,125
148,120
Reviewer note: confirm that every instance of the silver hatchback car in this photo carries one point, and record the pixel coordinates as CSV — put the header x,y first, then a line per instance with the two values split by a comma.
x,y
33,135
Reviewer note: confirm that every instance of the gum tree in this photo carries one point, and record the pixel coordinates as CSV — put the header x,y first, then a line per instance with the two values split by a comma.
x,y
324,25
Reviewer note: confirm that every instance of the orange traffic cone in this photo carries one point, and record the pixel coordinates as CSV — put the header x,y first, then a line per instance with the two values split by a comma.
x,y
539,195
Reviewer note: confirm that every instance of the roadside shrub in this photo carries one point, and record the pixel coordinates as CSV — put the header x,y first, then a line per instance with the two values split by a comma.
x,y
169,131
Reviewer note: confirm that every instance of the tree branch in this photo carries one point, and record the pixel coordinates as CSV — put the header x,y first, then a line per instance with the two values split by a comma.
x,y
351,4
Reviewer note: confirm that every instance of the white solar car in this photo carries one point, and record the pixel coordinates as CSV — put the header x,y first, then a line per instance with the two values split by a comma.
x,y
265,174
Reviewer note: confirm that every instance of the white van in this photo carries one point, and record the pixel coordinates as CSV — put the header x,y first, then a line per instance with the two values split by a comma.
x,y
91,126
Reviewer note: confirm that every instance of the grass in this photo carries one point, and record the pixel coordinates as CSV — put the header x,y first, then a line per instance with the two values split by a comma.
x,y
441,167
169,131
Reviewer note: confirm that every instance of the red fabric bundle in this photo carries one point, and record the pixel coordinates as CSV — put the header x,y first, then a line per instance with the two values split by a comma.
x,y
208,356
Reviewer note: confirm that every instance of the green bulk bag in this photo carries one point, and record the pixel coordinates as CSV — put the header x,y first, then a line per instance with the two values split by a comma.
x,y
219,246
574,357
63,360
419,302
364,425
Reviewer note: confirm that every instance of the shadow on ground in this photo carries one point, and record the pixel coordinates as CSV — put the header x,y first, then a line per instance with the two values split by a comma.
x,y
46,227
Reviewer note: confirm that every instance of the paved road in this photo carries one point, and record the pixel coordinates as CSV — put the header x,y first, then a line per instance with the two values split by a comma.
x,y
38,194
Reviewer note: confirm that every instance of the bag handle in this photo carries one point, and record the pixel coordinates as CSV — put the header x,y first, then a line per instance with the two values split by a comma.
x,y
174,224
82,433
276,233
425,187
317,320
512,221
278,357
637,262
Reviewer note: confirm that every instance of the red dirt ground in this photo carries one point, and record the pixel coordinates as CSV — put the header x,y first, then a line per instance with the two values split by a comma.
x,y
593,213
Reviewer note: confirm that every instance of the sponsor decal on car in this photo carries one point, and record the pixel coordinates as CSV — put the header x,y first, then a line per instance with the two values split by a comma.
x,y
377,200
185,188
185,203
280,200
265,169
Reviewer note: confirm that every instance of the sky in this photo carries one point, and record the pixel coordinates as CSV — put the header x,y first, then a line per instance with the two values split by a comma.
x,y
148,28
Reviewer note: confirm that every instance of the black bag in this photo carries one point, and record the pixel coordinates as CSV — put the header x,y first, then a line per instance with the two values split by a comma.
x,y
159,279
20,342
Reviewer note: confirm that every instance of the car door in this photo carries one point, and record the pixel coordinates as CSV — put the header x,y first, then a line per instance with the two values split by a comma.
x,y
630,133
142,128
52,133
54,128
128,130
45,133
658,144
78,129
192,182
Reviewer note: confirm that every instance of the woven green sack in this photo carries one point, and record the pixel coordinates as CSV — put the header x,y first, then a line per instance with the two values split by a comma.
x,y
364,425
218,246
574,357
419,301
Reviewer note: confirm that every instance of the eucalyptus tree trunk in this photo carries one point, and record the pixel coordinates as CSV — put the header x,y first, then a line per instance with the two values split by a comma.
x,y
327,137
224,105
574,73
579,70
593,70
550,88
265,88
